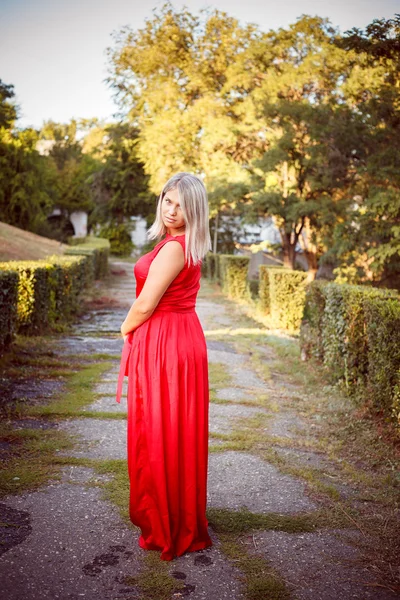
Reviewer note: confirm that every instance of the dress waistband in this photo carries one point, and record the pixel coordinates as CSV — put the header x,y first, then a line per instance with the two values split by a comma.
x,y
177,310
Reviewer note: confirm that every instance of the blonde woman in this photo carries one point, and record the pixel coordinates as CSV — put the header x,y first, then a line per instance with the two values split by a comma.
x,y
165,359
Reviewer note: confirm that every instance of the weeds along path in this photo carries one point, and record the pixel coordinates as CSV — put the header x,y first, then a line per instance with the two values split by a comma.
x,y
294,511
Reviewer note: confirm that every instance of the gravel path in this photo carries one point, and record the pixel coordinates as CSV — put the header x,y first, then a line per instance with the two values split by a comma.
x,y
74,544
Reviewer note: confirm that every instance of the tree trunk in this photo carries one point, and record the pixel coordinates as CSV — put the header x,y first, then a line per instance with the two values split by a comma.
x,y
289,251
312,262
215,241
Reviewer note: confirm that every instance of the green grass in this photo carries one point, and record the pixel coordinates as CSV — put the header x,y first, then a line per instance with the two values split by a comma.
x,y
260,580
219,375
30,464
154,582
79,392
117,489
224,520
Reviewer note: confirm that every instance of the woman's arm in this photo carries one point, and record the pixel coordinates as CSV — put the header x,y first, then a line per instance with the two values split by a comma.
x,y
168,263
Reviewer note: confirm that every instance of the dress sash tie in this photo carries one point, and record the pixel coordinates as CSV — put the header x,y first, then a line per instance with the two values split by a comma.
x,y
123,369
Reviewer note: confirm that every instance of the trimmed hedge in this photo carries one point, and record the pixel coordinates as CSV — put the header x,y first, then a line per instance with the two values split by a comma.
x,y
355,331
233,273
263,290
8,306
98,249
46,292
311,328
287,290
382,318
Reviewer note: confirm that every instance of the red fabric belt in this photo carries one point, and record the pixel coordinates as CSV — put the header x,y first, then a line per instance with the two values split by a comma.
x,y
123,369
175,310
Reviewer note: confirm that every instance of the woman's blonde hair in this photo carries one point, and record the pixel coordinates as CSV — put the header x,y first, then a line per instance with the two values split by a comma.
x,y
194,204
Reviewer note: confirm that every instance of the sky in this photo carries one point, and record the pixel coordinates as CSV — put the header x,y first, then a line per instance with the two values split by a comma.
x,y
54,51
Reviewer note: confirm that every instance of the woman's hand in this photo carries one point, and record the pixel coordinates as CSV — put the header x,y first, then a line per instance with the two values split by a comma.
x,y
124,333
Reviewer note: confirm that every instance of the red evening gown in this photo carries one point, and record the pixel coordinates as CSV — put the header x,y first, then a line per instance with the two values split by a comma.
x,y
165,360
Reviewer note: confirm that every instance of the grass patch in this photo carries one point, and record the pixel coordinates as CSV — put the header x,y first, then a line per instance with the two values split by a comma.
x,y
79,392
224,520
219,375
91,414
30,464
116,490
155,582
260,580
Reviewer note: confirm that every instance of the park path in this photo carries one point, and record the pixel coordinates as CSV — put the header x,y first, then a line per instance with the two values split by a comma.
x,y
79,546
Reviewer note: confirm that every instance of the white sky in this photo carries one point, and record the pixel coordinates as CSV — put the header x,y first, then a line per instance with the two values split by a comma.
x,y
53,51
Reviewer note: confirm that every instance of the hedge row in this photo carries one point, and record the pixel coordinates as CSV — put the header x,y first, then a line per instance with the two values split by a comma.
x,y
8,306
355,332
42,294
99,249
281,292
230,272
282,296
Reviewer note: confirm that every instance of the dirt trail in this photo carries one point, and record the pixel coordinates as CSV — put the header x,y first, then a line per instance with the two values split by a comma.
x,y
76,543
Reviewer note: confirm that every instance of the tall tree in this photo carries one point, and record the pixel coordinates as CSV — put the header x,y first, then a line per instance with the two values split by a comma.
x,y
171,78
309,158
372,90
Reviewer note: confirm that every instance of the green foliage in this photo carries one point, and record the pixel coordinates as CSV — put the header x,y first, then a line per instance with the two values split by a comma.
x,y
254,285
287,295
98,250
355,331
119,237
264,289
211,263
233,273
36,298
344,339
120,184
27,180
311,330
8,306
382,319
48,290
8,111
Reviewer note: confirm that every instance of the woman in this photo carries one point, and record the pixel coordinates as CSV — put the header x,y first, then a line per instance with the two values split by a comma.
x,y
165,358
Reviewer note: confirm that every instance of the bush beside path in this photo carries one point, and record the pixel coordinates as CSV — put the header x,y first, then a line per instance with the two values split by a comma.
x,y
302,490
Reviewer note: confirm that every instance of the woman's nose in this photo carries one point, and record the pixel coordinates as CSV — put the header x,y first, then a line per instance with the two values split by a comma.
x,y
171,210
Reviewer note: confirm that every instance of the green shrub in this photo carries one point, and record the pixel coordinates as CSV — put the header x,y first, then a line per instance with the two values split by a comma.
x,y
33,294
49,290
382,318
8,307
96,248
119,237
344,333
287,291
254,286
263,290
233,272
311,329
70,275
212,266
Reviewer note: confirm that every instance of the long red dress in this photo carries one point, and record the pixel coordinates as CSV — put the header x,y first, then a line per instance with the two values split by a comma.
x,y
165,360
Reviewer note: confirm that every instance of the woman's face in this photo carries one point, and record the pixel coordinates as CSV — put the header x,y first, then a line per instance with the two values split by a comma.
x,y
172,213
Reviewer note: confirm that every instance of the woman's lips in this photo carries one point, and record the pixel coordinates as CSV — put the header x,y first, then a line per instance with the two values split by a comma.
x,y
170,220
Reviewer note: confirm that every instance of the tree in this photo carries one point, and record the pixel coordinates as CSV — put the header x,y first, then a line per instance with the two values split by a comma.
x,y
120,185
8,109
27,180
171,79
309,159
372,89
